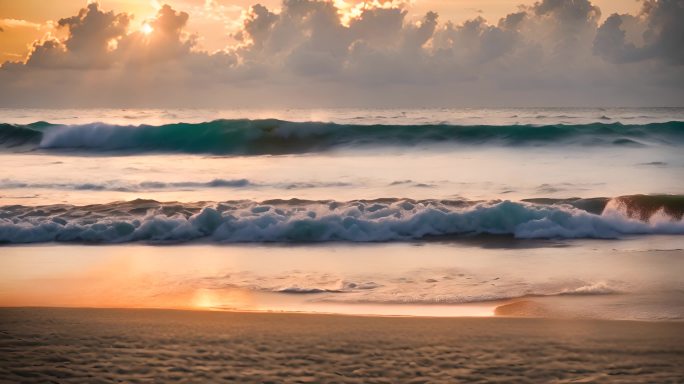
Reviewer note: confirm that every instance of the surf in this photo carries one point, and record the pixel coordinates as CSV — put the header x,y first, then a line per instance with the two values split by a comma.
x,y
272,136
302,221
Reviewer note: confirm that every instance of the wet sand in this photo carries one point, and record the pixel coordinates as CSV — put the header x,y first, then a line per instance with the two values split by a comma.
x,y
627,279
143,345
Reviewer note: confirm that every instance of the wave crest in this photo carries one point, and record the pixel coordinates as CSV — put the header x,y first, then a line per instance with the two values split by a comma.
x,y
307,221
270,136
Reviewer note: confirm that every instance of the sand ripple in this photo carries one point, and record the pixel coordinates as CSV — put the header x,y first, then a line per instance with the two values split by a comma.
x,y
85,345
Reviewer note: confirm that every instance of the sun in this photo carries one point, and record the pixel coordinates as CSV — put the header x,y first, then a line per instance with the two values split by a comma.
x,y
146,29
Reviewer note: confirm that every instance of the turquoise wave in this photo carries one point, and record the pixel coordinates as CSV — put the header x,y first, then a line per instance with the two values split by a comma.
x,y
270,136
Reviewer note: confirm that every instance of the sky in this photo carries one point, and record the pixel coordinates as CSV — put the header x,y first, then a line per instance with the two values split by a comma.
x,y
308,53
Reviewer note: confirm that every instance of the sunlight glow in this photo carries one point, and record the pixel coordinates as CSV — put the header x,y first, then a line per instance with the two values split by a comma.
x,y
146,29
351,10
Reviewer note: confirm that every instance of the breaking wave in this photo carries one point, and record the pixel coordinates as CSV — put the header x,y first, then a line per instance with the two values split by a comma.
x,y
270,136
354,221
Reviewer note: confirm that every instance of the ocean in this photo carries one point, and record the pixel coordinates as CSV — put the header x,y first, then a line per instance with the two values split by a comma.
x,y
392,212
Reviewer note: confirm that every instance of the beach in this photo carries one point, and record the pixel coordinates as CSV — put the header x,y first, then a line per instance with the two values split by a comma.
x,y
136,345
481,310
342,246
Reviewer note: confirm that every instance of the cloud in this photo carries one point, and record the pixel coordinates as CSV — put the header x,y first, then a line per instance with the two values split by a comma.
x,y
321,53
611,42
90,34
18,23
167,41
662,34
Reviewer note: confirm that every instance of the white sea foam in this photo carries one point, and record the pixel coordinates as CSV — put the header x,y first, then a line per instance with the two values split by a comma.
x,y
296,221
596,288
420,286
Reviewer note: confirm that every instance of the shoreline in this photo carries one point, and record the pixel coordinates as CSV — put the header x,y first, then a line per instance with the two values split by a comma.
x,y
558,307
267,312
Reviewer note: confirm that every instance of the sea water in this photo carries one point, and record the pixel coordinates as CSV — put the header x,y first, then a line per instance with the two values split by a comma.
x,y
585,186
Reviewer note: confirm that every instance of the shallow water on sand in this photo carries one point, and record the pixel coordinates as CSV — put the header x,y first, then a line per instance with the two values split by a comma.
x,y
617,279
